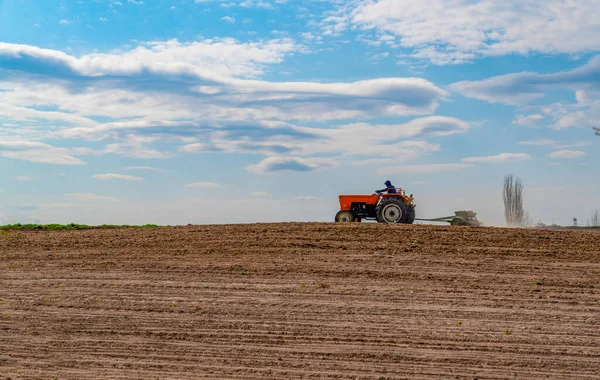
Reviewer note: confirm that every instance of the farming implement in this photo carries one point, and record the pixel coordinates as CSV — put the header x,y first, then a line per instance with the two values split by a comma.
x,y
460,218
384,208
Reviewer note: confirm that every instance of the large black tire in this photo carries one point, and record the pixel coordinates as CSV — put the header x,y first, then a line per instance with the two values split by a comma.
x,y
344,217
411,214
391,210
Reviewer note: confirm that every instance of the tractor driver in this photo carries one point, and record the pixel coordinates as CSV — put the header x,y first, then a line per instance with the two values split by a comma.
x,y
389,188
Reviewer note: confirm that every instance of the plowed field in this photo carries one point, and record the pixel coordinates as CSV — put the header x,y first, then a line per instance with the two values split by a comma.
x,y
292,301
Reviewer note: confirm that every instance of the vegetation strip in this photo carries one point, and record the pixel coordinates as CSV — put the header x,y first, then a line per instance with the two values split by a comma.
x,y
71,226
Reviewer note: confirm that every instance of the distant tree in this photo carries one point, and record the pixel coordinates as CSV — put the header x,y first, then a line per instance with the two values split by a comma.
x,y
527,220
512,194
597,131
595,219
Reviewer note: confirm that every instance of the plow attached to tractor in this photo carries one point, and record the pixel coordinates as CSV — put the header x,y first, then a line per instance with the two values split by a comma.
x,y
460,218
384,208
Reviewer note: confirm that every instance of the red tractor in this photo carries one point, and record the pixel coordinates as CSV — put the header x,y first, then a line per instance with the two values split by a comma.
x,y
384,208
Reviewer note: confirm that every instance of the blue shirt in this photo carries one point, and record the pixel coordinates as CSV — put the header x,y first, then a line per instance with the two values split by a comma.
x,y
389,189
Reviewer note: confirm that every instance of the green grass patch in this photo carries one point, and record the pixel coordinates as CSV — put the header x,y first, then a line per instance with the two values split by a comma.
x,y
67,227
557,227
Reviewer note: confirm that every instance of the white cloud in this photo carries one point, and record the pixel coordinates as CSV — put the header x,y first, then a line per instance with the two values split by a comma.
x,y
23,178
288,164
583,114
22,145
424,169
308,198
264,4
242,3
460,31
578,144
110,176
146,168
499,158
260,194
554,143
213,65
202,185
43,156
39,152
64,22
134,149
528,120
525,86
228,19
567,154
90,197
145,118
211,59
538,142
521,88
362,142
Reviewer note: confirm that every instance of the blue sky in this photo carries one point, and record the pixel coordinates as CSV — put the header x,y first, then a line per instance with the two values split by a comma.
x,y
211,111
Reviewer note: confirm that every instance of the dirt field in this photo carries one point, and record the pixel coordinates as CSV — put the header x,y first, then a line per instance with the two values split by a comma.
x,y
295,301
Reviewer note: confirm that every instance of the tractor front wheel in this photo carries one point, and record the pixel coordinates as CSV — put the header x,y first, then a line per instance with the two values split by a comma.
x,y
344,217
391,210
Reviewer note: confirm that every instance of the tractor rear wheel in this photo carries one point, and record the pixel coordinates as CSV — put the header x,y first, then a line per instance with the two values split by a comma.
x,y
344,217
411,215
391,210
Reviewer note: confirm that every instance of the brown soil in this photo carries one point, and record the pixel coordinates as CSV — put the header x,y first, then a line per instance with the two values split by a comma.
x,y
293,301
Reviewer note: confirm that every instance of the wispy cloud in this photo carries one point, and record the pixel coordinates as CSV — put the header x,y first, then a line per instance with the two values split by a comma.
x,y
519,89
90,197
545,142
568,154
424,169
578,144
290,164
497,159
143,168
39,152
308,198
111,176
554,143
528,120
202,185
208,75
477,28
